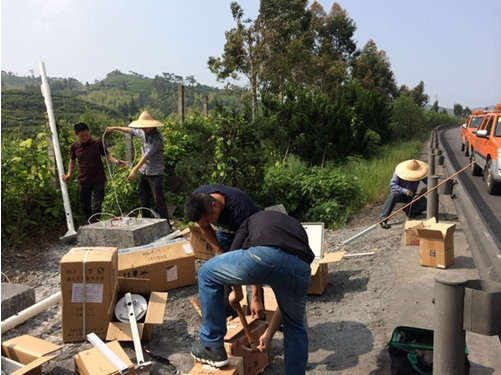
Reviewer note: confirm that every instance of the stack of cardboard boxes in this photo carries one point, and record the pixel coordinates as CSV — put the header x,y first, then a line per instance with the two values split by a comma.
x,y
94,279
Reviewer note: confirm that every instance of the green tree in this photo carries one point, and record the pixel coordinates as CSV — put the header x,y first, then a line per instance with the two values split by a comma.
x,y
373,69
434,107
458,110
242,54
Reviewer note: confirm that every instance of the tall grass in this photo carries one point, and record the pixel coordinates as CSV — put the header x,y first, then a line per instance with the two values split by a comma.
x,y
374,175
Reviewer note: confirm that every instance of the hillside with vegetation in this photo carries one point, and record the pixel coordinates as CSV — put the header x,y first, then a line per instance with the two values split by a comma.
x,y
319,125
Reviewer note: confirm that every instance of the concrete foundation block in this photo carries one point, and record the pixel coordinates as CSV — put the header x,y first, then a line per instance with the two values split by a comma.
x,y
123,233
16,298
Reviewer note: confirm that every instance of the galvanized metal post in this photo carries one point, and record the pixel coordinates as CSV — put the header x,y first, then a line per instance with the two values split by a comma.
x,y
449,337
431,162
432,198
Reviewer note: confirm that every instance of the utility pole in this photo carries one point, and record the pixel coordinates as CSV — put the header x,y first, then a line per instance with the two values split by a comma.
x,y
205,105
180,102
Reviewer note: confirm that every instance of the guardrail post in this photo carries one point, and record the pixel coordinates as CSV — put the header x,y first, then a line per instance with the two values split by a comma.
x,y
449,337
432,201
431,162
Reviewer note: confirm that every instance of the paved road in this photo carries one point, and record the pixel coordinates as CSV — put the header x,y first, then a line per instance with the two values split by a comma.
x,y
480,211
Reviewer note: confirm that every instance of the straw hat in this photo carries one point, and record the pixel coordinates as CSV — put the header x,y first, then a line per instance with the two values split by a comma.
x,y
412,170
145,121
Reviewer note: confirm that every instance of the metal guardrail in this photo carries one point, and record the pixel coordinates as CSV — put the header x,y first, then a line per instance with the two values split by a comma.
x,y
485,251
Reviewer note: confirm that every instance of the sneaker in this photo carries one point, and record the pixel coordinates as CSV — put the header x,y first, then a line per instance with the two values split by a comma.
x,y
385,225
216,358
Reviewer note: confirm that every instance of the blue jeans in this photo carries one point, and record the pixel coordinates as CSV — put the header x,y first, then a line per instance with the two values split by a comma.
x,y
287,275
225,240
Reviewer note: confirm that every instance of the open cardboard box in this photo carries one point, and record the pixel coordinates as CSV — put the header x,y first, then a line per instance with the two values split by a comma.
x,y
26,354
92,362
154,312
236,342
202,248
436,245
411,236
319,266
167,266
234,367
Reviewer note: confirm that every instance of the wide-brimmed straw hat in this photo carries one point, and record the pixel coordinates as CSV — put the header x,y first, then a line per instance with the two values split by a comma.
x,y
145,121
412,170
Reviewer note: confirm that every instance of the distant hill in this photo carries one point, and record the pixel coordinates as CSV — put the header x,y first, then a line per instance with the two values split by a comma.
x,y
119,95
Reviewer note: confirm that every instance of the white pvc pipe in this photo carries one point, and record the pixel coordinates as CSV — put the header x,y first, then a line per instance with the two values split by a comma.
x,y
57,151
33,310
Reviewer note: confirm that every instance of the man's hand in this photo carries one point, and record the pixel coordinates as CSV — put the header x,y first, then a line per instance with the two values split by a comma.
x,y
410,193
265,341
235,296
122,163
423,191
257,308
109,129
66,177
132,175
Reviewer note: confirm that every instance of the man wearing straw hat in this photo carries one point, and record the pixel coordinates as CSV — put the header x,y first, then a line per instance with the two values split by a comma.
x,y
151,166
403,187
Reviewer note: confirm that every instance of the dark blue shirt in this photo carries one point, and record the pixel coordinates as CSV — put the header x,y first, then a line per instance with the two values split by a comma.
x,y
238,206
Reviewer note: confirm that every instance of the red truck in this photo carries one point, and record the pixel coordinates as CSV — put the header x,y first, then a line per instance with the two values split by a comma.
x,y
486,150
472,123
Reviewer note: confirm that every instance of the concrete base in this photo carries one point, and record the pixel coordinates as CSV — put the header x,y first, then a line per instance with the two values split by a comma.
x,y
16,298
123,233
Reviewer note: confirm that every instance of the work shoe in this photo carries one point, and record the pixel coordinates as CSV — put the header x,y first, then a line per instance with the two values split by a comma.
x,y
216,358
385,225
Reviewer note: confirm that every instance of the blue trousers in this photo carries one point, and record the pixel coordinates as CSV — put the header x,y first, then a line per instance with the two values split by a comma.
x,y
287,275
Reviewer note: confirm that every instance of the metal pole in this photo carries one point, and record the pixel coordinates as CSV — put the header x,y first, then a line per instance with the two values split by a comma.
x,y
449,338
431,163
432,201
71,234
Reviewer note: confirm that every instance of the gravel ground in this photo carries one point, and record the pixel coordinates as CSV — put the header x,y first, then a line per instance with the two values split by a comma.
x,y
347,334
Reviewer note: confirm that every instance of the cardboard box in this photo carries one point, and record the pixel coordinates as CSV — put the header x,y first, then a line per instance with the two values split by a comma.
x,y
235,367
155,310
92,270
319,266
203,250
92,362
26,355
236,339
436,245
167,266
411,236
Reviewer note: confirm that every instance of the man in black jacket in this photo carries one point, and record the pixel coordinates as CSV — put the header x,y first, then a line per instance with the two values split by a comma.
x,y
269,248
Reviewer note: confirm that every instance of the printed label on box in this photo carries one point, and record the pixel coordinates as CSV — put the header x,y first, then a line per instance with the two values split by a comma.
x,y
93,293
188,249
171,273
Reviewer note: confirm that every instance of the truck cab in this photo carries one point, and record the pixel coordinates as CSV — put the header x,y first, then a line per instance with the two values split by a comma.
x,y
472,123
486,150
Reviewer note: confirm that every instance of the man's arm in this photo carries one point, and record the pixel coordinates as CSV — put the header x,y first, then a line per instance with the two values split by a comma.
x,y
256,304
113,160
118,128
67,177
133,172
265,339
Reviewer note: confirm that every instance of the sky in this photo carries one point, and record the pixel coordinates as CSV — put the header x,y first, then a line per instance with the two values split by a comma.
x,y
454,47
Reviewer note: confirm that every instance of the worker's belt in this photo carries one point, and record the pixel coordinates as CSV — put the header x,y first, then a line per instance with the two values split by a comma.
x,y
226,230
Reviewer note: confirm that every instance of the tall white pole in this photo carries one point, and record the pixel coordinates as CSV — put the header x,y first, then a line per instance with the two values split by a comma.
x,y
71,234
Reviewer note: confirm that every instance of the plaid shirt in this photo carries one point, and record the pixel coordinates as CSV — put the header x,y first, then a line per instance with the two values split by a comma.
x,y
153,149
